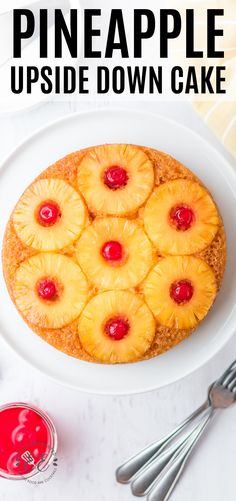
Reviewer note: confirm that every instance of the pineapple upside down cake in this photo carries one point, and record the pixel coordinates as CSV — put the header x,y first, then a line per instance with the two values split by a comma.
x,y
115,253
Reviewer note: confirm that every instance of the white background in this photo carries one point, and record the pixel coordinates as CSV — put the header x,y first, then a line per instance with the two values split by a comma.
x,y
97,433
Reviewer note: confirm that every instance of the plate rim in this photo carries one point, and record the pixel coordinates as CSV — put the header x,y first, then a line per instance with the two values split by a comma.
x,y
80,115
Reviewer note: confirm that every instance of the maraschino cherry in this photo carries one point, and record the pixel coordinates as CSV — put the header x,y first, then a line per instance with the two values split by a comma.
x,y
47,289
115,177
48,214
182,217
117,328
112,251
182,291
22,431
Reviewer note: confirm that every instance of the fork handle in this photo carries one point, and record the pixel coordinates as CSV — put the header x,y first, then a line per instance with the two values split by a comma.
x,y
147,476
128,469
171,474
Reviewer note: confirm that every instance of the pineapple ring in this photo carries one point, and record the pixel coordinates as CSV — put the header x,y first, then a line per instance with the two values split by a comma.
x,y
158,284
132,269
166,238
106,306
105,201
67,228
73,284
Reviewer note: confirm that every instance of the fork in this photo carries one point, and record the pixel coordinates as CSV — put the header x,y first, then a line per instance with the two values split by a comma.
x,y
156,469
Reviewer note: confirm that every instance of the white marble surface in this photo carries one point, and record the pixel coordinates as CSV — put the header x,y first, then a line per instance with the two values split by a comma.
x,y
95,432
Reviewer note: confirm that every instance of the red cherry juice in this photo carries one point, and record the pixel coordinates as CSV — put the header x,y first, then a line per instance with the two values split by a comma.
x,y
27,437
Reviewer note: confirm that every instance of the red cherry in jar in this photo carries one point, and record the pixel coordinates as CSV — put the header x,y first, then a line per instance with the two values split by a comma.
x,y
26,437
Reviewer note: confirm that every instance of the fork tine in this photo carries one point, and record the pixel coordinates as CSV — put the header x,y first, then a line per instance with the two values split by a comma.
x,y
233,389
232,384
229,378
226,373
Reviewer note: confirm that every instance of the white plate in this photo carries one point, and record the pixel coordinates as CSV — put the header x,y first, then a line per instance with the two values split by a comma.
x,y
83,130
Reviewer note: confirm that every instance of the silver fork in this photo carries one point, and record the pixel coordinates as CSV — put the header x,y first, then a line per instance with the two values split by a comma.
x,y
156,469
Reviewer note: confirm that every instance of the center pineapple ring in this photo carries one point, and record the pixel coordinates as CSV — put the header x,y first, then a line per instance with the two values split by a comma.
x,y
48,213
182,217
112,252
116,177
115,253
105,270
117,328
